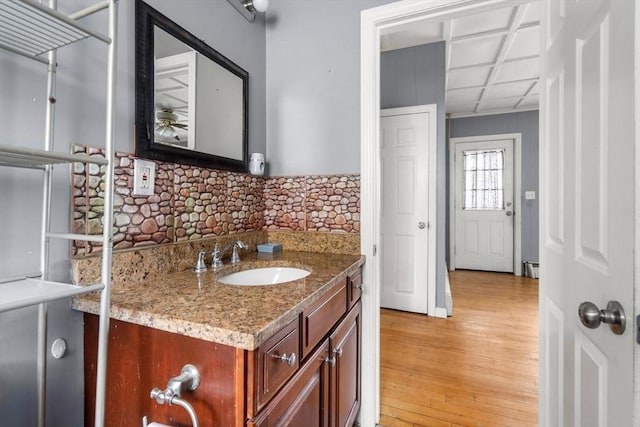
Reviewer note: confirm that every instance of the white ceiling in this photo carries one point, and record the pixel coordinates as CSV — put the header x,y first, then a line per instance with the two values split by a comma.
x,y
492,58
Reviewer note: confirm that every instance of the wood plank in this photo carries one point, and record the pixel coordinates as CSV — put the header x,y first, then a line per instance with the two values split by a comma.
x,y
476,368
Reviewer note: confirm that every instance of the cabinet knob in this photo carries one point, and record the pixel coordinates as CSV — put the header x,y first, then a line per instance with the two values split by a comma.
x,y
331,361
289,360
338,352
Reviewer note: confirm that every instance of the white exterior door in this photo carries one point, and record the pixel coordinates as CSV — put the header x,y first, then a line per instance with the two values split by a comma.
x,y
405,235
587,160
484,211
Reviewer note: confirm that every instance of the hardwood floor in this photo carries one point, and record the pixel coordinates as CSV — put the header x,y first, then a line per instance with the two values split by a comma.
x,y
476,368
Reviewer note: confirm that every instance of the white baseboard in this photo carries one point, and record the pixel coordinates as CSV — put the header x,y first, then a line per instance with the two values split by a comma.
x,y
447,294
440,312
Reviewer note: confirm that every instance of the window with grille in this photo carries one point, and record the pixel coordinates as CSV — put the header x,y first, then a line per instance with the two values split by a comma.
x,y
483,179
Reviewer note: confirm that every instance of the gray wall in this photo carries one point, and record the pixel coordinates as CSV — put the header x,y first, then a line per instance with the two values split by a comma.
x,y
527,124
80,119
416,76
313,86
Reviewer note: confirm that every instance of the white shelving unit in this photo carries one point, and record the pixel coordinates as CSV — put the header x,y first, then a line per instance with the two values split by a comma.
x,y
36,31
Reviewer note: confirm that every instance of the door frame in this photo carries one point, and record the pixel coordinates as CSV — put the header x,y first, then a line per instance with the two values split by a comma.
x,y
373,23
517,193
432,111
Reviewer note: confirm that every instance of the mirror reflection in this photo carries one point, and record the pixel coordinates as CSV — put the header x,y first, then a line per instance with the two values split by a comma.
x,y
198,103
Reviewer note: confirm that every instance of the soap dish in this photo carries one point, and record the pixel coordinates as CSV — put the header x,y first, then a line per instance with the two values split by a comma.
x,y
269,247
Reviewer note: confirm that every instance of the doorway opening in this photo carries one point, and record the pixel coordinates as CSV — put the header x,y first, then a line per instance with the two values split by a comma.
x,y
485,203
408,240
439,13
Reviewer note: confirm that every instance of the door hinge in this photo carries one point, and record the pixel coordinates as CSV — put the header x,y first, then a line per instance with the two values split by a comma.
x,y
375,250
638,329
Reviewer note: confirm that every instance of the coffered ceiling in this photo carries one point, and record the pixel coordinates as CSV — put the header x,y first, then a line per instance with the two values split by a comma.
x,y
492,58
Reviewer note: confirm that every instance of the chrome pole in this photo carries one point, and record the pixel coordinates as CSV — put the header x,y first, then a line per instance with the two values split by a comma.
x,y
41,358
107,232
90,10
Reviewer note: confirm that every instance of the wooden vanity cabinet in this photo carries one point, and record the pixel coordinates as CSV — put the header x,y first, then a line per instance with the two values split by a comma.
x,y
260,388
141,358
326,390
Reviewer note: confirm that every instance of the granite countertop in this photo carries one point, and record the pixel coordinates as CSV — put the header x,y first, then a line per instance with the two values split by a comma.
x,y
199,306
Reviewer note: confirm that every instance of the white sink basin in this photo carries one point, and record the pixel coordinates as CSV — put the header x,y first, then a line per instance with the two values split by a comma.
x,y
264,276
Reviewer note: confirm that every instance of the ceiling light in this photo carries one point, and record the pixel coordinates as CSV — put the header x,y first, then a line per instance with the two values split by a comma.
x,y
248,8
257,5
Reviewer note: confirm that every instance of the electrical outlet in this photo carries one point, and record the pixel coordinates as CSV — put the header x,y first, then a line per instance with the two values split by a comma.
x,y
144,177
529,195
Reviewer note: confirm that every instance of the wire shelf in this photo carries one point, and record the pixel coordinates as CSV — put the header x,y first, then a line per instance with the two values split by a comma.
x,y
27,292
31,29
34,158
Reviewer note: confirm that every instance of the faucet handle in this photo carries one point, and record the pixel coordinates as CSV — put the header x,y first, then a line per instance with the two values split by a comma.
x,y
200,265
216,262
235,258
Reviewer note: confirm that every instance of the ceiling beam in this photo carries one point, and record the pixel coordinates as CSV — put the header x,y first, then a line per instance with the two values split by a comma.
x,y
491,64
516,21
447,32
526,95
506,82
492,33
491,112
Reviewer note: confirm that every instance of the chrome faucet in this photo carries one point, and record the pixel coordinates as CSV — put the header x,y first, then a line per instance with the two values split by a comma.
x,y
218,254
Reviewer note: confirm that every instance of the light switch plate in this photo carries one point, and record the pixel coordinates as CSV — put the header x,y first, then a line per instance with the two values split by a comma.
x,y
144,177
529,195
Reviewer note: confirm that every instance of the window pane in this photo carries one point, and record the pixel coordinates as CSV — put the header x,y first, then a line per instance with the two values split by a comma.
x,y
483,179
470,163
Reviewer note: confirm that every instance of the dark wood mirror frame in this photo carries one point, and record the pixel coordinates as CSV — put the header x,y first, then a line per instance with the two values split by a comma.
x,y
146,19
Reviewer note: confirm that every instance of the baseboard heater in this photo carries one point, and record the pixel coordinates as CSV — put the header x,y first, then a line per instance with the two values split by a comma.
x,y
532,269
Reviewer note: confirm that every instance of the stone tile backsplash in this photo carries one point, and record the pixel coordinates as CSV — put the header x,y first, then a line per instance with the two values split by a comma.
x,y
332,203
284,201
191,203
313,203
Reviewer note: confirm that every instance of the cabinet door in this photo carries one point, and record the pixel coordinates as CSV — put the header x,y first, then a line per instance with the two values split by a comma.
x,y
278,360
354,288
345,375
304,401
320,317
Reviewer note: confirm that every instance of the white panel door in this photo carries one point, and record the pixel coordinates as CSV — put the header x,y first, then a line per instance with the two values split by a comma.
x,y
404,239
587,211
484,209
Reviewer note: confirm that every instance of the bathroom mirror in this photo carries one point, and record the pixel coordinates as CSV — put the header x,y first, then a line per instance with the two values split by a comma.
x,y
191,101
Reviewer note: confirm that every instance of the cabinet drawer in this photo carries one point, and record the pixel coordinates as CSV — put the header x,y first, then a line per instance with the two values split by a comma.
x,y
318,319
278,360
355,290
